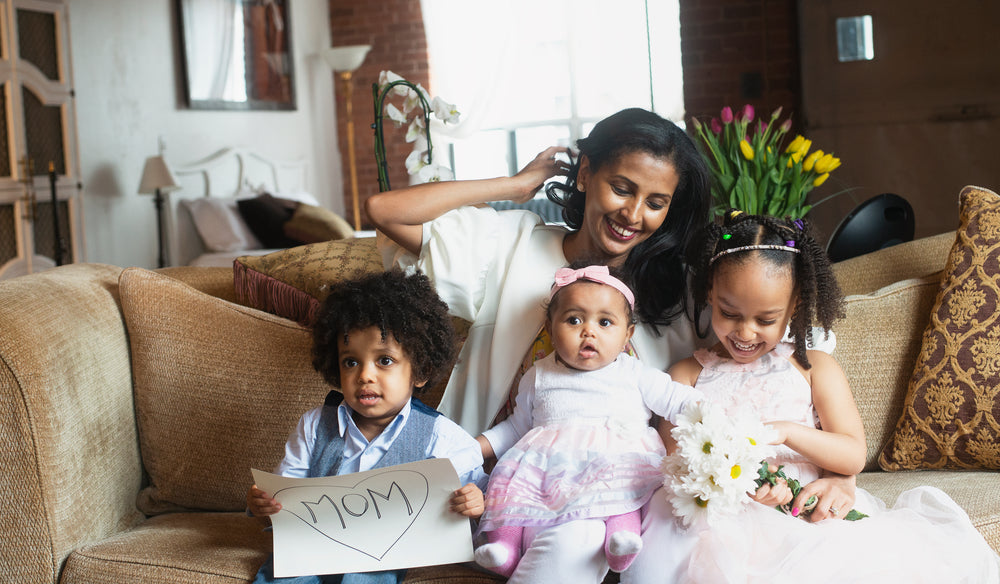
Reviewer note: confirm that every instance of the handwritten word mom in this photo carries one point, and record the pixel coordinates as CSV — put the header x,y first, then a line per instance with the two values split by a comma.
x,y
356,504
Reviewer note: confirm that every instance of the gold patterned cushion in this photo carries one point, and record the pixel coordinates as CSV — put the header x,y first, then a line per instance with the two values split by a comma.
x,y
951,413
292,282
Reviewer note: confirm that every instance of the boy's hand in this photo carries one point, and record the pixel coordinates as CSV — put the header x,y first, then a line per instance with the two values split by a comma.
x,y
468,501
260,504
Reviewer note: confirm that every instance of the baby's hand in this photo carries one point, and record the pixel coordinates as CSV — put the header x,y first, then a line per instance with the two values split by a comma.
x,y
773,495
468,501
260,504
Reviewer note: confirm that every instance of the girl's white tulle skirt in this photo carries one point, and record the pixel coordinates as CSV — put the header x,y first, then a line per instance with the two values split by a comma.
x,y
924,537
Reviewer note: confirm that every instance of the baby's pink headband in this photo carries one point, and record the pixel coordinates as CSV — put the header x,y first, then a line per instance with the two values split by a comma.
x,y
599,274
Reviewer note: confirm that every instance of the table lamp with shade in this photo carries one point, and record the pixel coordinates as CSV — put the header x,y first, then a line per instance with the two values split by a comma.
x,y
156,180
344,61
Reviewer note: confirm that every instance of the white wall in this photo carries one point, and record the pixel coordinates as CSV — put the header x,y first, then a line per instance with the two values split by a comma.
x,y
127,72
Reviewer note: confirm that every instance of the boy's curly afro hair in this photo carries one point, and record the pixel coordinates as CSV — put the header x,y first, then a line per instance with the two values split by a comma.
x,y
403,306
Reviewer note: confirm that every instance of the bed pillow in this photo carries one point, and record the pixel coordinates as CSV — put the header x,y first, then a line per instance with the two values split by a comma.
x,y
266,216
952,403
313,224
218,388
292,282
220,225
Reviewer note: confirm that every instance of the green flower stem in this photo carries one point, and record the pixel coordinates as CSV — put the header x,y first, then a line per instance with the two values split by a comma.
x,y
379,99
766,476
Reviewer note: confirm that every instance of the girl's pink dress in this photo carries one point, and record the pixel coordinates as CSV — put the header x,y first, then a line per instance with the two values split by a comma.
x,y
925,537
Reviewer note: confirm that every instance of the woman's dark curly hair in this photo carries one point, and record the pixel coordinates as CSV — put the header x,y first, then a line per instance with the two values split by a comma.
x,y
656,265
403,306
819,295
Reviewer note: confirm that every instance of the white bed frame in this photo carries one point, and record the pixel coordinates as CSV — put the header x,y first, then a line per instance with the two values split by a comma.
x,y
228,173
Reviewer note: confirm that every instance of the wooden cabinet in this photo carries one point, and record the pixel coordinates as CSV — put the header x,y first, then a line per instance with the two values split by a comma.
x,y
40,211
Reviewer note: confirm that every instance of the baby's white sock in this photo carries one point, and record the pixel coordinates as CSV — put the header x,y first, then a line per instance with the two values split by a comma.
x,y
624,543
492,555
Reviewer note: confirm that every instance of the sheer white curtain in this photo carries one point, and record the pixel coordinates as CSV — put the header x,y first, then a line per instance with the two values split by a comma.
x,y
210,35
518,62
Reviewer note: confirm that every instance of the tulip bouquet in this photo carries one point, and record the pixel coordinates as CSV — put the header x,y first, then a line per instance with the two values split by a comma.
x,y
753,172
420,163
715,463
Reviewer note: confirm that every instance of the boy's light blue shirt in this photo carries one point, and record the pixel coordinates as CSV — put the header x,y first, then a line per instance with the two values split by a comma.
x,y
448,440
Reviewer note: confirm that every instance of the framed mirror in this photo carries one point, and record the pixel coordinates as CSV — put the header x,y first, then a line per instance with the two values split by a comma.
x,y
237,54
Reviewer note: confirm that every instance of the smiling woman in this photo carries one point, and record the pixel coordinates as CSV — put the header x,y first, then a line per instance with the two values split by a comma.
x,y
237,54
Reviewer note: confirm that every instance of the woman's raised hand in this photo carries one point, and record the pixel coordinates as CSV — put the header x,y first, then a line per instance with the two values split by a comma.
x,y
544,166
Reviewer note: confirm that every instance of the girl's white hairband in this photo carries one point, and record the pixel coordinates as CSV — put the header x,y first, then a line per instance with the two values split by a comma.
x,y
749,247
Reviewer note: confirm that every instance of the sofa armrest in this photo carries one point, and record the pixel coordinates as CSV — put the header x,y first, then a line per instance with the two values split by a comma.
x,y
70,457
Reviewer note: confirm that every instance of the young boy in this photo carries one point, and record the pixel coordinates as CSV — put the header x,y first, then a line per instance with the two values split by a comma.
x,y
380,339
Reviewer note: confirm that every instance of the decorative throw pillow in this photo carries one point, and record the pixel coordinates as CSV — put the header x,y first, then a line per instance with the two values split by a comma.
x,y
292,282
314,224
951,414
218,388
266,216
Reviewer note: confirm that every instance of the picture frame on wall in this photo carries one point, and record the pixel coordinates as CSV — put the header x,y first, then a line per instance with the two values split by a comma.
x,y
237,54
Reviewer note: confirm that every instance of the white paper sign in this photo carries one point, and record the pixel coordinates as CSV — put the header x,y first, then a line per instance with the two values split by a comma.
x,y
384,519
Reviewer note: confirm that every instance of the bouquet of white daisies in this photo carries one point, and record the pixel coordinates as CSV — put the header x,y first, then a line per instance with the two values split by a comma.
x,y
716,462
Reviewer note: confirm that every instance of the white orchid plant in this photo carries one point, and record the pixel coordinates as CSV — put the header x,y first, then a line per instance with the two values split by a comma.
x,y
418,103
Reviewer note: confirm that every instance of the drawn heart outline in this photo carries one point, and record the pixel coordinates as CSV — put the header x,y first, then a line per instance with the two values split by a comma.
x,y
394,499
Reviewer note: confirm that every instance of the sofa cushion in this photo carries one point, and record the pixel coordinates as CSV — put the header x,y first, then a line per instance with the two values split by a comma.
x,y
952,406
292,282
218,389
208,548
914,259
877,345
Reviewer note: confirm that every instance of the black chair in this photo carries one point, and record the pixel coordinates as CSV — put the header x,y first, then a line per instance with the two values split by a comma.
x,y
881,221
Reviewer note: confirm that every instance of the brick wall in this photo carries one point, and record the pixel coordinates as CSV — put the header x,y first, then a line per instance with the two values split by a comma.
x,y
740,51
733,52
395,30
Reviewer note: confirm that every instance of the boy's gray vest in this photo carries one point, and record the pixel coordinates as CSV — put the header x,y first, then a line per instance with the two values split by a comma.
x,y
328,453
409,446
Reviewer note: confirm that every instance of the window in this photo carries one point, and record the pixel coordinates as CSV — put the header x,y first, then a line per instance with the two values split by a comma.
x,y
531,74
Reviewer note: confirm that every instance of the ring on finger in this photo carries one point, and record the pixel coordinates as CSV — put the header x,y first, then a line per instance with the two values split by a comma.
x,y
834,511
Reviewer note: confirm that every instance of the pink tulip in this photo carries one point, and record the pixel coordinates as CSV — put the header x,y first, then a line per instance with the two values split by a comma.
x,y
747,113
716,126
785,126
727,115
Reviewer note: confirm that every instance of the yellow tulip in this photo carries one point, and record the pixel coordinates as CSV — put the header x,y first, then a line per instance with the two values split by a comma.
x,y
806,145
795,144
827,164
811,160
746,149
821,179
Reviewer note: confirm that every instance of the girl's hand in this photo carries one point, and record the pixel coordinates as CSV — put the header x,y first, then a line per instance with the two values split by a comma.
x,y
781,431
260,504
773,495
468,501
544,166
833,491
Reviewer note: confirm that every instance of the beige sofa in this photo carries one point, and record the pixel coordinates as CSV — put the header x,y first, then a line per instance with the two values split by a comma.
x,y
134,405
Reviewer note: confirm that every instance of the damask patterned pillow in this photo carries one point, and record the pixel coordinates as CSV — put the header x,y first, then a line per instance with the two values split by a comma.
x,y
951,414
292,282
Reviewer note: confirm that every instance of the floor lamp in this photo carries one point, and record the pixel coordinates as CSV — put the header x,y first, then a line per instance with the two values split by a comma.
x,y
344,61
156,180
